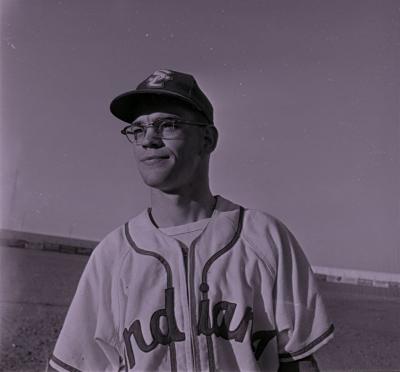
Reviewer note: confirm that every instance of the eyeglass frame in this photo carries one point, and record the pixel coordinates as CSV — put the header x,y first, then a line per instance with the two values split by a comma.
x,y
174,120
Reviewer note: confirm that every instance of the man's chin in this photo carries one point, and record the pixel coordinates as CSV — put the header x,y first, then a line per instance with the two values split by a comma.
x,y
163,181
163,186
156,182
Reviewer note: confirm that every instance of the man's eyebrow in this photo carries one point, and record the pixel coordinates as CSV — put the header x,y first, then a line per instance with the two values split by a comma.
x,y
140,122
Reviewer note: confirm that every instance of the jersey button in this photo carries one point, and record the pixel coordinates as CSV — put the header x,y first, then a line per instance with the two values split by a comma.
x,y
204,287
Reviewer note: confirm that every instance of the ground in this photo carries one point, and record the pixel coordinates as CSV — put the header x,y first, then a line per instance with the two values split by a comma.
x,y
36,288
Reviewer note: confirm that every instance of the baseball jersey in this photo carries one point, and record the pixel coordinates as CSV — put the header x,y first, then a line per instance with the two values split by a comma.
x,y
242,297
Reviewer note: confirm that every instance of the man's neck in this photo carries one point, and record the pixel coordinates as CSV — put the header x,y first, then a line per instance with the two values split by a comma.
x,y
173,209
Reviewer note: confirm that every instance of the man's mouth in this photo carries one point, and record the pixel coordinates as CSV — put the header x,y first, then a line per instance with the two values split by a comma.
x,y
150,160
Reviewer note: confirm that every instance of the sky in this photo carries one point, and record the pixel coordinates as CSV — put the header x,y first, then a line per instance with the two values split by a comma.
x,y
305,95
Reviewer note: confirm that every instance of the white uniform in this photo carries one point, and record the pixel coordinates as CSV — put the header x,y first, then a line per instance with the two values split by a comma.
x,y
241,297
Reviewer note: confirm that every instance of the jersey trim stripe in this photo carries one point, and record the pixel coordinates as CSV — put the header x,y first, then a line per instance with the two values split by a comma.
x,y
150,253
167,267
64,365
293,356
204,284
226,248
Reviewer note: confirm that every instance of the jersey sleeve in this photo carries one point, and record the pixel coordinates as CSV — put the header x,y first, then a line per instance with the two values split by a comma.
x,y
87,341
302,323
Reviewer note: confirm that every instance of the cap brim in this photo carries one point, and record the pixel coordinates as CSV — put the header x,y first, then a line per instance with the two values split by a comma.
x,y
130,105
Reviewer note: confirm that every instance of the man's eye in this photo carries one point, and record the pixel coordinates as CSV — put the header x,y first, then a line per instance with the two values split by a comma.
x,y
167,124
136,130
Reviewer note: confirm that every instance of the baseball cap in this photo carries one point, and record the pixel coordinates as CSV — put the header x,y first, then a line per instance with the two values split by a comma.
x,y
161,88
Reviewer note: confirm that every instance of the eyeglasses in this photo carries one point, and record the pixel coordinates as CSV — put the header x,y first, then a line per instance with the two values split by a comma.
x,y
167,128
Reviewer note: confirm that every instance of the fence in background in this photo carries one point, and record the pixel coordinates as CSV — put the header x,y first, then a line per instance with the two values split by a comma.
x,y
29,240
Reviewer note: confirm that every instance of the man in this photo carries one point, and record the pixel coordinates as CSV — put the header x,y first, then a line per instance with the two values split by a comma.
x,y
195,282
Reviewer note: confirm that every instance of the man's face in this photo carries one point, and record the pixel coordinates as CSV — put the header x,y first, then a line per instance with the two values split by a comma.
x,y
170,165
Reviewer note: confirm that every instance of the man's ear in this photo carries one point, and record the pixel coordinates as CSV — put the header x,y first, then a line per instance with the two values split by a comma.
x,y
210,139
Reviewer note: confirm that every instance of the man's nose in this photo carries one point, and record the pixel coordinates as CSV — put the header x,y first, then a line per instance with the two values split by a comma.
x,y
151,137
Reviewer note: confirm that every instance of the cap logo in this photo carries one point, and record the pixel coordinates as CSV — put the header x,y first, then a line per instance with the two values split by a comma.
x,y
158,79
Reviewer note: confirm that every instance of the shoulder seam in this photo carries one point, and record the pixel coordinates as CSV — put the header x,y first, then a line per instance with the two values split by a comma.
x,y
263,259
